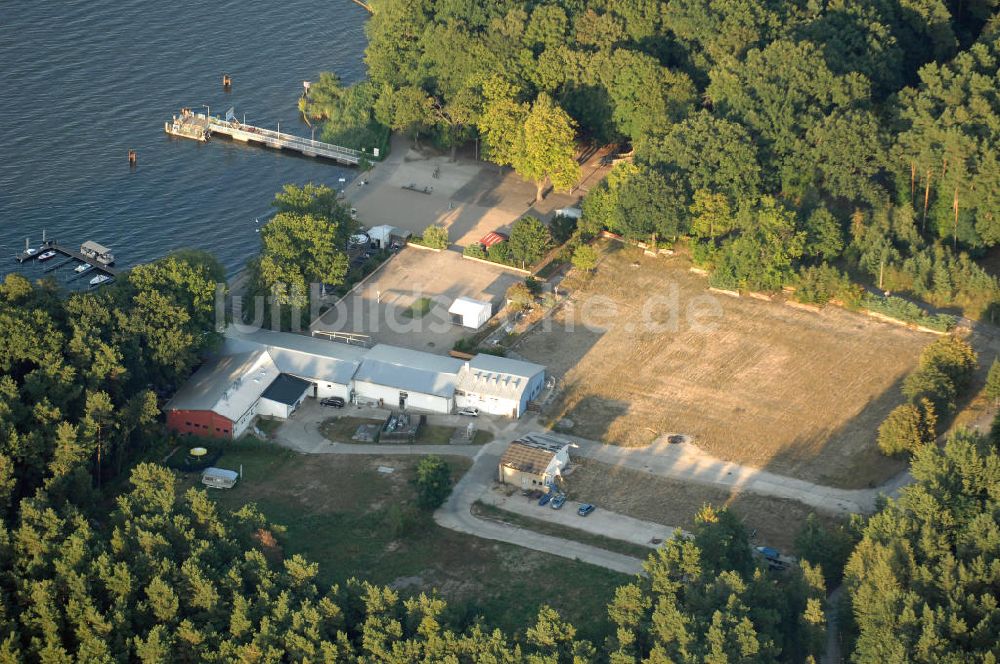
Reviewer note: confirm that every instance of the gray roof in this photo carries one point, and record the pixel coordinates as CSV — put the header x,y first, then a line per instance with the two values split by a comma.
x,y
286,389
308,357
505,365
227,385
410,370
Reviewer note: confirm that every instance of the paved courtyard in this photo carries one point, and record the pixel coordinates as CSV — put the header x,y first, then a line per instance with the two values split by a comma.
x,y
467,196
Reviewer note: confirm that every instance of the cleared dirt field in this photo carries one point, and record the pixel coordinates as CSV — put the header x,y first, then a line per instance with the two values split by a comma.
x,y
675,503
761,383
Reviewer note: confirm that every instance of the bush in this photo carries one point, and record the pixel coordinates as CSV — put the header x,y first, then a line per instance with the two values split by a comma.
x,y
433,482
474,250
934,385
585,258
907,428
946,366
500,253
820,284
529,240
520,297
908,312
954,357
435,237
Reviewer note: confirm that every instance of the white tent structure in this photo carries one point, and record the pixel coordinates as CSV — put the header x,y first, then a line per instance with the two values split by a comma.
x,y
382,235
470,313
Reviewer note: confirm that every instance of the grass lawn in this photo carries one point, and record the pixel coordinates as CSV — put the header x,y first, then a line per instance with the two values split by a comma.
x,y
267,425
494,513
419,309
340,429
355,521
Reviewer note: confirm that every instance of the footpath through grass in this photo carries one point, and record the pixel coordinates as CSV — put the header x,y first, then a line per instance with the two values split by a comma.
x,y
355,521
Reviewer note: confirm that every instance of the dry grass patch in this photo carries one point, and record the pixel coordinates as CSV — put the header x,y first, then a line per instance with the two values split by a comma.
x,y
759,383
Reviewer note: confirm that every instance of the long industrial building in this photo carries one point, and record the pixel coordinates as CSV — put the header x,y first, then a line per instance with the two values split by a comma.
x,y
272,373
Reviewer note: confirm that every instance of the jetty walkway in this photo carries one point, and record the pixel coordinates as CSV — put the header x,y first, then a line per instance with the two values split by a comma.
x,y
200,126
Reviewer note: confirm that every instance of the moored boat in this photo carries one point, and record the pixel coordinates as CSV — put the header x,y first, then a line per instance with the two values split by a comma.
x,y
47,255
99,279
82,267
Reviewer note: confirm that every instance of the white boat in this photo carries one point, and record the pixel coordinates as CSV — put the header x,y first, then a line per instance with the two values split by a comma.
x,y
47,255
30,252
99,279
82,267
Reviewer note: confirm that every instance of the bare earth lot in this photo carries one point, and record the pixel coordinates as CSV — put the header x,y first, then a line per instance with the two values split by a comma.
x,y
759,383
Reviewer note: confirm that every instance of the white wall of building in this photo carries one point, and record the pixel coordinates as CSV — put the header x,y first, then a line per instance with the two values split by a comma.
x,y
268,408
487,404
508,407
559,461
240,426
390,396
325,390
530,393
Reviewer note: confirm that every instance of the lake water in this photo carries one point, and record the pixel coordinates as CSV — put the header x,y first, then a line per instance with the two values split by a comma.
x,y
81,83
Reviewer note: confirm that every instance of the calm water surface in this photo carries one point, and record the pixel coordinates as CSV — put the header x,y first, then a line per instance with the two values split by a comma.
x,y
81,83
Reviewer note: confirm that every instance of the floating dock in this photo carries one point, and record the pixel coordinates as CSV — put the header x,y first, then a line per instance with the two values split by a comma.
x,y
90,252
202,126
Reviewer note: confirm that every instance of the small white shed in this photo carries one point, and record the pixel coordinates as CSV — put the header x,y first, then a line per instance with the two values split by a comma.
x,y
470,313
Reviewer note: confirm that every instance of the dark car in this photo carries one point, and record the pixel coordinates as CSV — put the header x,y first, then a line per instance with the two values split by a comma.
x,y
585,509
558,502
336,402
544,500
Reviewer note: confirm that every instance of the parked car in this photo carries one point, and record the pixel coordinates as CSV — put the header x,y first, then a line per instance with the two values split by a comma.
x,y
558,502
544,500
469,412
585,509
336,402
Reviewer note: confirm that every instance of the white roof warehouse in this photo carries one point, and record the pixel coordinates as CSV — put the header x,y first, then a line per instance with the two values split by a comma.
x,y
238,377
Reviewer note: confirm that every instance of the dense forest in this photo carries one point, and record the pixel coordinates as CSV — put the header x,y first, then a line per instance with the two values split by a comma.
x,y
775,136
784,140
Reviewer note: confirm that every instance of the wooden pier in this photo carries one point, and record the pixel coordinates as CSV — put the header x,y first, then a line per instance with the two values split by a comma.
x,y
200,126
71,254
